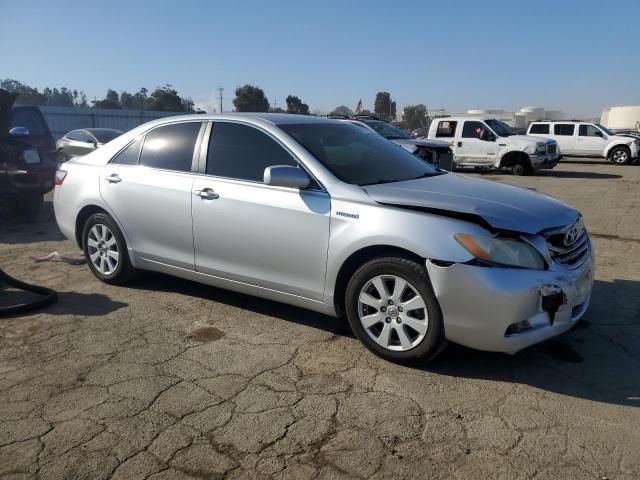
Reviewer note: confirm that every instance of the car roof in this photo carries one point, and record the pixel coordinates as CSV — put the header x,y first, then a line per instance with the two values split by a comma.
x,y
459,119
101,130
561,121
274,118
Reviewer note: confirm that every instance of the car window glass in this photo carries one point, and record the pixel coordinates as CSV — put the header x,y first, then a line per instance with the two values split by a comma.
x,y
243,152
472,129
129,156
85,136
589,131
539,128
170,147
75,135
564,129
446,128
30,118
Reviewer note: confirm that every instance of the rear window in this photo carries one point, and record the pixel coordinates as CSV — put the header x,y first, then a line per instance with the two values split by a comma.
x,y
564,129
30,118
446,128
539,128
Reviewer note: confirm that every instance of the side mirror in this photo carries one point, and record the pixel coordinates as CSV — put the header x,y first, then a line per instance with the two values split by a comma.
x,y
19,132
286,176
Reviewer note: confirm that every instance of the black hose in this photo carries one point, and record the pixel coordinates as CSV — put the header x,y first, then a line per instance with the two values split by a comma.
x,y
48,296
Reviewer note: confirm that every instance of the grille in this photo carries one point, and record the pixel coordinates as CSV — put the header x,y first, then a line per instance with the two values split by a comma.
x,y
574,254
551,148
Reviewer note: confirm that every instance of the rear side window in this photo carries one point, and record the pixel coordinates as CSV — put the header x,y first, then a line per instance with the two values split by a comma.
x,y
129,156
564,129
589,131
539,128
243,152
472,129
446,129
170,147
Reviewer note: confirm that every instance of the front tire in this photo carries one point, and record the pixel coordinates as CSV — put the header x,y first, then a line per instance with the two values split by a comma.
x,y
620,156
106,250
392,309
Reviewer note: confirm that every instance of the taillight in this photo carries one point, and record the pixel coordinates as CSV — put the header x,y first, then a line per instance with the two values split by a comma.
x,y
60,176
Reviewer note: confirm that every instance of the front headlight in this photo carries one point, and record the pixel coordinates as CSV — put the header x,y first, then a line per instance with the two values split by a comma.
x,y
541,149
507,252
31,156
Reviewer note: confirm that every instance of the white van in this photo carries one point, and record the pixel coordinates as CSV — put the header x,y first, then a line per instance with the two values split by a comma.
x,y
491,143
588,139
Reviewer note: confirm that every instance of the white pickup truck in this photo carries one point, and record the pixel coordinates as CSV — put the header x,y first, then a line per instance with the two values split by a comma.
x,y
588,139
488,142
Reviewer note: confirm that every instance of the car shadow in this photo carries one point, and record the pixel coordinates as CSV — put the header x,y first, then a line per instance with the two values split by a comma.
x,y
596,360
42,228
68,303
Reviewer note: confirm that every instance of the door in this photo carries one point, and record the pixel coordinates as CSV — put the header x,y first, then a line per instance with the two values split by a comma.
x,y
151,198
564,134
79,143
590,141
476,144
244,230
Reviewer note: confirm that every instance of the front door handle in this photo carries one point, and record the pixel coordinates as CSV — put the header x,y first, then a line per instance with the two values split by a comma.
x,y
459,144
113,178
206,194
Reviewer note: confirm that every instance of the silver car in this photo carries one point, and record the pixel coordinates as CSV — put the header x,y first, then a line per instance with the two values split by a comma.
x,y
329,216
85,140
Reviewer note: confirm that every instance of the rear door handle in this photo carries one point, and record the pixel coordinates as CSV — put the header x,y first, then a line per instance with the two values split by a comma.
x,y
113,178
206,194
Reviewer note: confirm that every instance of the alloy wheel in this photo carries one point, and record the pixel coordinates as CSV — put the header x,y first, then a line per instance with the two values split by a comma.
x,y
393,313
103,249
620,156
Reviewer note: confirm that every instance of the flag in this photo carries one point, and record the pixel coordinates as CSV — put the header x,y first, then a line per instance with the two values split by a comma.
x,y
359,106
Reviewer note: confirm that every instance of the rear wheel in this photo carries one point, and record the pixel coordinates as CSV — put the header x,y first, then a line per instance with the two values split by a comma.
x,y
62,157
392,309
620,155
106,250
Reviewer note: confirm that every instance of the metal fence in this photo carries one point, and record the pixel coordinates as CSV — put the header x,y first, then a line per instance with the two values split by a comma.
x,y
64,119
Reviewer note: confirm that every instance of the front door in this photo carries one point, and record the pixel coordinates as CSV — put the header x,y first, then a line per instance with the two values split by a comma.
x,y
151,199
244,230
474,150
590,141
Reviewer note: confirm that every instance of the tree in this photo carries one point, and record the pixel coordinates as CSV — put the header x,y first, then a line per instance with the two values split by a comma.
x,y
295,105
112,96
382,105
166,99
26,94
394,112
415,116
105,103
342,110
250,99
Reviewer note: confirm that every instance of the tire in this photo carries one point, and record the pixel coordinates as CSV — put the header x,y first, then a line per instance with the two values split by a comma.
x,y
620,156
62,157
27,205
402,335
102,236
519,169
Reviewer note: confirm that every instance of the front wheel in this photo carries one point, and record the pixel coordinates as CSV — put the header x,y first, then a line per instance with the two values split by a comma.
x,y
106,250
620,156
392,309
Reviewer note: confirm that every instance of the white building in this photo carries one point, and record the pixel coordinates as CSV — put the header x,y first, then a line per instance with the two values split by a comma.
x,y
621,117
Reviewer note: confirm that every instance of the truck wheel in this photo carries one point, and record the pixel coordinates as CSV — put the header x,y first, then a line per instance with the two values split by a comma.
x,y
518,169
620,155
392,309
28,205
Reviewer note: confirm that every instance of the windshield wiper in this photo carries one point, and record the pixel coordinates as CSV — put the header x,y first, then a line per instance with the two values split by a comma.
x,y
426,175
379,182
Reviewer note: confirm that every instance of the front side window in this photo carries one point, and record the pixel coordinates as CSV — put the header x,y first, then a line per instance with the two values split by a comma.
x,y
472,129
540,128
500,128
76,135
129,156
170,147
446,129
358,156
243,152
589,131
564,129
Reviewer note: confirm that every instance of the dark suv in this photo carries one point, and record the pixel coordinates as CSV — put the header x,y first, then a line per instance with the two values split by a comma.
x,y
28,159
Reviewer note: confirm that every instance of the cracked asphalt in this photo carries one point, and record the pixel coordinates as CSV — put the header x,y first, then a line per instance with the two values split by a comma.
x,y
169,379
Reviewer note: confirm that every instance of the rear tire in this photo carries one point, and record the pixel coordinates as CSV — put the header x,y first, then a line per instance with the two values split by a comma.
x,y
392,309
106,250
620,156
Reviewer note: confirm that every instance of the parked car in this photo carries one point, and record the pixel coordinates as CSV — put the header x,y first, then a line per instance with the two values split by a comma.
x,y
27,157
486,142
435,152
577,138
325,215
83,141
420,133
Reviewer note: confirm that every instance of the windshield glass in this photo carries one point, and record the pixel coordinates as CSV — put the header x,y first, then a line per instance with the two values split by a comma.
x,y
387,130
104,136
358,156
604,129
501,128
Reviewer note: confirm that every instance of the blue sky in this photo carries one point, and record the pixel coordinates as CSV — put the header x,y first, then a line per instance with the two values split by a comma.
x,y
575,56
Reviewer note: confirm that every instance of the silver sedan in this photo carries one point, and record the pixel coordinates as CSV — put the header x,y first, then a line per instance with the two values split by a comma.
x,y
332,217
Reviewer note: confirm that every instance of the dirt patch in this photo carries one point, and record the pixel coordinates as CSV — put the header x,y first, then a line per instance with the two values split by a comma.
x,y
206,334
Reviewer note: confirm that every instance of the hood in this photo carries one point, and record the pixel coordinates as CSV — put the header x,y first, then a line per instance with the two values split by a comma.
x,y
503,207
421,142
623,137
6,102
527,139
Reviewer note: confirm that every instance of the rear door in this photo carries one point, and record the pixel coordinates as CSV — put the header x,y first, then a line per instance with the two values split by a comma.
x,y
565,135
590,140
148,188
471,149
244,230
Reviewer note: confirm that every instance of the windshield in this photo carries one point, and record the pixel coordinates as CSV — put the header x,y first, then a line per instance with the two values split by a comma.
x,y
358,156
104,136
501,128
605,130
387,130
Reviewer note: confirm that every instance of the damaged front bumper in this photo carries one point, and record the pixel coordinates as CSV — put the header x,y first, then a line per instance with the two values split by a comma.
x,y
508,309
544,162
